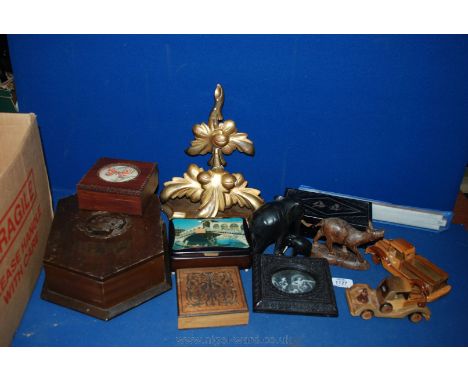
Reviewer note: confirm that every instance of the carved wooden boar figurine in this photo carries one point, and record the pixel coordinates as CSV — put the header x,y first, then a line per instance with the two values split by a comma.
x,y
341,232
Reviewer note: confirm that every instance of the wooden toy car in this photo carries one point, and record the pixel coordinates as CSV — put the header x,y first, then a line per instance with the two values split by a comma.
x,y
394,298
400,259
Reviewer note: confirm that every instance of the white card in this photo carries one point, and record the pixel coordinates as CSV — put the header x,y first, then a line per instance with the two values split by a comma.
x,y
342,283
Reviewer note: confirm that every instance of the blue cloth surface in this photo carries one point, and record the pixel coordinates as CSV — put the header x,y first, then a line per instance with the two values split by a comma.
x,y
154,323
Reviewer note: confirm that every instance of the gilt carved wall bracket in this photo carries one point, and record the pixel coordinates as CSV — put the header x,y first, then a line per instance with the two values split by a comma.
x,y
214,192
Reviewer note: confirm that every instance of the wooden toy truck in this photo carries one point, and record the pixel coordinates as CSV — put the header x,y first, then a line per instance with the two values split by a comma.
x,y
400,259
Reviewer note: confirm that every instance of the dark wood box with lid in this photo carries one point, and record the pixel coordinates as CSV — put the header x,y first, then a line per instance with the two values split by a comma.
x,y
204,243
104,263
117,185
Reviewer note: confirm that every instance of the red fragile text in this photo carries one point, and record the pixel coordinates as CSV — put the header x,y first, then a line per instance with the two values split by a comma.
x,y
13,219
17,264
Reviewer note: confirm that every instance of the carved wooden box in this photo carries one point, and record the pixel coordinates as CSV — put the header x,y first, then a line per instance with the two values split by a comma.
x,y
102,263
209,242
116,185
209,297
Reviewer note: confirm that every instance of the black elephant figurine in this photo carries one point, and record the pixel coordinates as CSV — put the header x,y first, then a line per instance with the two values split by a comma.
x,y
299,244
273,222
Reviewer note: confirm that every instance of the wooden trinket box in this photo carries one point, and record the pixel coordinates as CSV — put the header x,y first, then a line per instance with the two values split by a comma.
x,y
210,297
104,263
116,185
209,242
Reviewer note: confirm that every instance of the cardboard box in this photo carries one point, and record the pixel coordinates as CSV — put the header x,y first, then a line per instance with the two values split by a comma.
x,y
25,216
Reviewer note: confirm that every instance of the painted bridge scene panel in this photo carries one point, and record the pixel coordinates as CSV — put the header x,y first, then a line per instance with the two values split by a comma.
x,y
191,233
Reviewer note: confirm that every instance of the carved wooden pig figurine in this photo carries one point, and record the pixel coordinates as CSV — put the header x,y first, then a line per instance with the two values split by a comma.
x,y
339,231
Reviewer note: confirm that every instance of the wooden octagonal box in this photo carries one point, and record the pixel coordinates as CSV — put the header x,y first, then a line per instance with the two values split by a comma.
x,y
104,263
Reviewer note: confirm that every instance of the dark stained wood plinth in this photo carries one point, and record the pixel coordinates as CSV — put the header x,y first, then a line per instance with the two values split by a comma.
x,y
103,263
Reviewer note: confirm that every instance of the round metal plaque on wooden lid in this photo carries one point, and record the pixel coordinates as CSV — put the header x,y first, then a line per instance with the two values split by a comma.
x,y
118,173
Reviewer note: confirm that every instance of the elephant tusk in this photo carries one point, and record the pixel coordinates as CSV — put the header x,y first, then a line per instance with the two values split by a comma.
x,y
306,224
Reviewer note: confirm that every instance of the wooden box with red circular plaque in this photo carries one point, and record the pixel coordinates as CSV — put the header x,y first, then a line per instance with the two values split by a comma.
x,y
117,185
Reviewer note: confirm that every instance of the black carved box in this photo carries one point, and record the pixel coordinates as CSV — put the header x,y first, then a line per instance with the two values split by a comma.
x,y
318,206
293,285
104,263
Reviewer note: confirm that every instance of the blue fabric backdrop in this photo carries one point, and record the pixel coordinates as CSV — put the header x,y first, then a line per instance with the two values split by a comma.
x,y
383,117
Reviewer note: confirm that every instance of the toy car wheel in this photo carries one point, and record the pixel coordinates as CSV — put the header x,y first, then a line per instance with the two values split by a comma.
x,y
415,317
386,308
367,314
